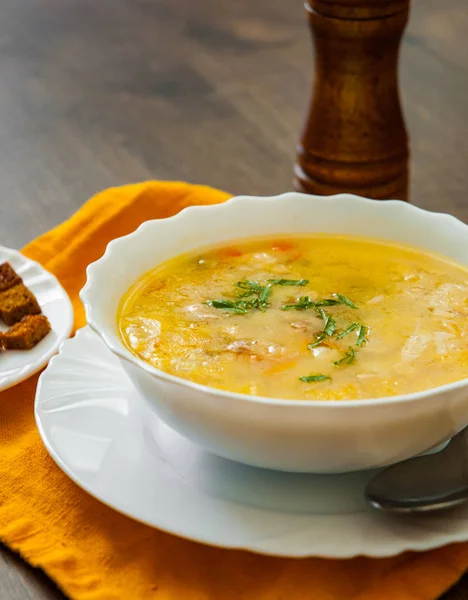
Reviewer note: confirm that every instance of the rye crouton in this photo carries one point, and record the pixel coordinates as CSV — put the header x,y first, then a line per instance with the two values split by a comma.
x,y
27,333
17,302
8,277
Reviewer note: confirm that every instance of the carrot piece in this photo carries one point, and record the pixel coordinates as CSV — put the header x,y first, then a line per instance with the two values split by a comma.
x,y
229,252
283,246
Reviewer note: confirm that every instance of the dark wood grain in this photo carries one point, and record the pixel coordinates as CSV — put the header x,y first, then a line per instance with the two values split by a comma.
x,y
18,581
99,93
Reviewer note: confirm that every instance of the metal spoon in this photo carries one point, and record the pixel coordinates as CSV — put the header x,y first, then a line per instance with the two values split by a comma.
x,y
426,483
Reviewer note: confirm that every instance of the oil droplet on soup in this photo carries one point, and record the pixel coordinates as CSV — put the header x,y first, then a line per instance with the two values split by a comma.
x,y
319,317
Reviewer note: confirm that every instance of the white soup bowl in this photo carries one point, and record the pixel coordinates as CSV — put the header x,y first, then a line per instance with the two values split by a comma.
x,y
290,435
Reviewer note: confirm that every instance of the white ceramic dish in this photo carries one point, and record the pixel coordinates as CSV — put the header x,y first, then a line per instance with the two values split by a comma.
x,y
100,432
282,434
15,366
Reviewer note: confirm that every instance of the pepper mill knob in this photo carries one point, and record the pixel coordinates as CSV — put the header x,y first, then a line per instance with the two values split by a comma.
x,y
355,137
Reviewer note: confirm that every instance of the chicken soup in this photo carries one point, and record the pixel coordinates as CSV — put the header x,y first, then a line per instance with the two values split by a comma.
x,y
319,317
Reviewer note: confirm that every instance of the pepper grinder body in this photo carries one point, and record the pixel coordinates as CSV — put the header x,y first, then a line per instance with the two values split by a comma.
x,y
355,138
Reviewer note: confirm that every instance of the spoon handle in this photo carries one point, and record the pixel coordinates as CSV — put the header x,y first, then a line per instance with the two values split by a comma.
x,y
429,482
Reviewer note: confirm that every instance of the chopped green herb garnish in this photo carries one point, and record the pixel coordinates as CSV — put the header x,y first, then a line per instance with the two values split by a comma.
x,y
249,287
320,338
326,302
330,326
227,305
348,358
288,281
254,295
303,303
349,329
264,296
247,303
309,378
257,295
344,300
362,335
322,313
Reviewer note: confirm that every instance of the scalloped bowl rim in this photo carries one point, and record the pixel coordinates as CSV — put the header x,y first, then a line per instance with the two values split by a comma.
x,y
120,350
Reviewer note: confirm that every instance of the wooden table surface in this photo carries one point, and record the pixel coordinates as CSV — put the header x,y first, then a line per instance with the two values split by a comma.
x,y
101,93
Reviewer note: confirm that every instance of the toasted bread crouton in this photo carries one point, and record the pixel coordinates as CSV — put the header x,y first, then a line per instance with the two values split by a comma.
x,y
27,333
8,277
17,302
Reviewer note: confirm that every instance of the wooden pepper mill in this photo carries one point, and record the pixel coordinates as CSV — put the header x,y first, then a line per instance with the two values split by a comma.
x,y
355,138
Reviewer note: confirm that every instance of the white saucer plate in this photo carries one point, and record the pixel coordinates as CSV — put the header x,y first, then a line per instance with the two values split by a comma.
x,y
17,365
96,428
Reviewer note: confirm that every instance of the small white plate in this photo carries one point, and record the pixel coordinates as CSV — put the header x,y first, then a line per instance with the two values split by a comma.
x,y
95,427
17,365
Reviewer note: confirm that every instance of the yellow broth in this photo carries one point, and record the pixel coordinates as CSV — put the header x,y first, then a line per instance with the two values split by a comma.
x,y
411,318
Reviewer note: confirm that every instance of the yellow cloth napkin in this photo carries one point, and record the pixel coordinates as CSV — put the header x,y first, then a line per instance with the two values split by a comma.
x,y
94,553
